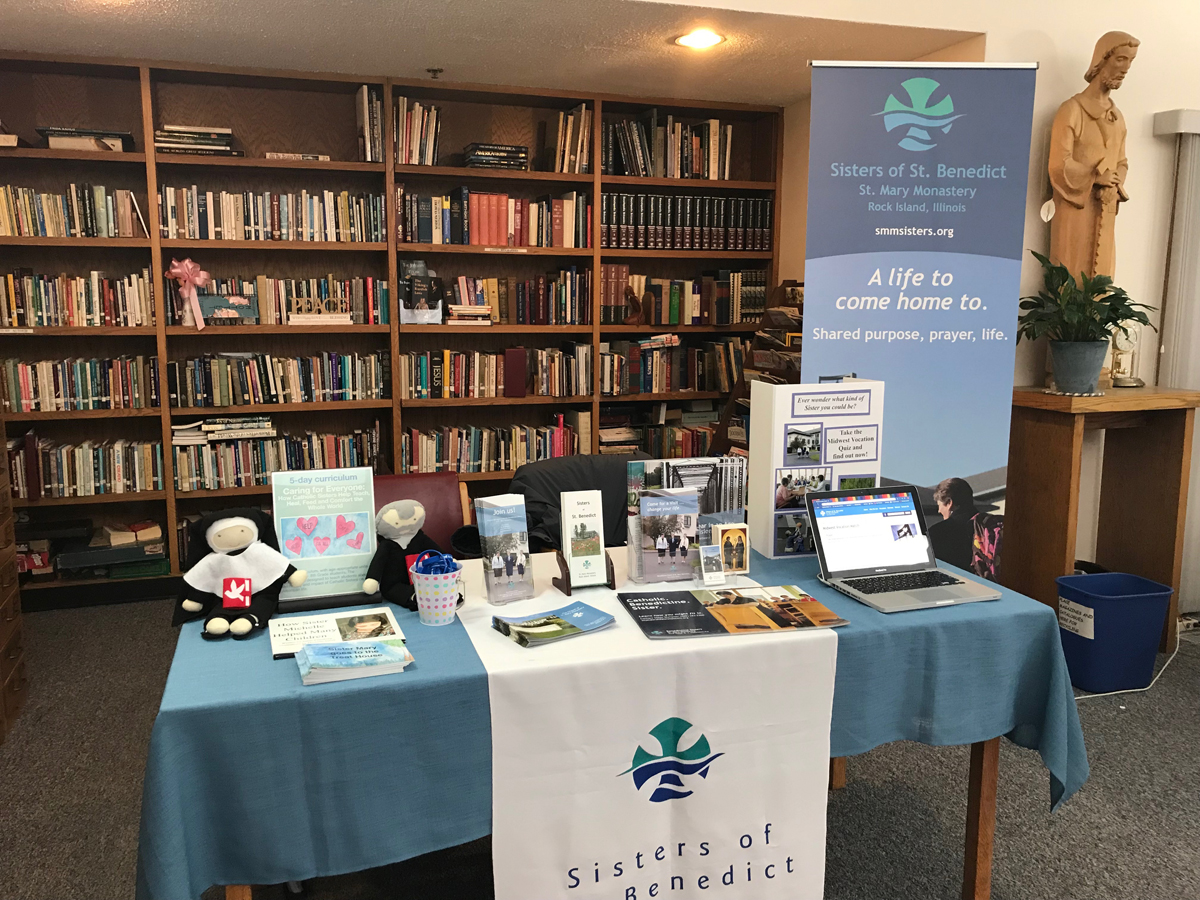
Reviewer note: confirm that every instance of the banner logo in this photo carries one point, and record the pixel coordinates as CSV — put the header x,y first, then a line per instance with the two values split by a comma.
x,y
672,765
918,115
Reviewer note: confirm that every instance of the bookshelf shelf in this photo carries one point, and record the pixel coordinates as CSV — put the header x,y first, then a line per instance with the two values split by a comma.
x,y
247,409
739,328
151,412
615,253
492,174
83,582
223,330
244,491
83,155
691,185
479,250
127,497
106,243
81,331
493,329
498,401
671,395
274,110
310,246
244,162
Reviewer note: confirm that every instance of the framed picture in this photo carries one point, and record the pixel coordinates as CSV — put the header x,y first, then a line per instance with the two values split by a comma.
x,y
734,543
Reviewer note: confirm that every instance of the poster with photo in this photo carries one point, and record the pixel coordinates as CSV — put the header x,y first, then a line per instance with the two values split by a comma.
x,y
810,438
325,520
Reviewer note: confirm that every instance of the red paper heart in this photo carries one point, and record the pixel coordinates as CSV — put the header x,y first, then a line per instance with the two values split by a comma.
x,y
321,543
307,525
294,544
355,542
343,526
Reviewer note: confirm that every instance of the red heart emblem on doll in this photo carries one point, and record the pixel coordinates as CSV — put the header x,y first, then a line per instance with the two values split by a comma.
x,y
294,544
355,542
343,526
307,525
322,544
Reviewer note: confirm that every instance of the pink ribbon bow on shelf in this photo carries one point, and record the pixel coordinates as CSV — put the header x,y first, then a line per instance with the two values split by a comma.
x,y
190,276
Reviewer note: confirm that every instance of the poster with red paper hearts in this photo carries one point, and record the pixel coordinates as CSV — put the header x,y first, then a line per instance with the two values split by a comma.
x,y
325,519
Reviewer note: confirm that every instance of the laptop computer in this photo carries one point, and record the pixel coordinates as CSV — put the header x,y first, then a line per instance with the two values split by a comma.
x,y
873,546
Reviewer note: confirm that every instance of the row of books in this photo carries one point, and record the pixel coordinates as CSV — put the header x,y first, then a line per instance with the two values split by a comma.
x,y
49,385
501,449
188,213
83,211
44,468
556,298
657,146
263,300
685,222
721,297
65,137
368,113
250,461
573,142
671,433
221,428
515,372
238,379
661,365
416,127
32,300
493,219
496,156
195,140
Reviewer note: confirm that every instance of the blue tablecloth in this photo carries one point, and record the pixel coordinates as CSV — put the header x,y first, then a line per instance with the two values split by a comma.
x,y
254,779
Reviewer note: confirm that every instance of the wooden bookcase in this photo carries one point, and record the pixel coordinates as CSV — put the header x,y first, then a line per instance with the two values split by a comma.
x,y
309,112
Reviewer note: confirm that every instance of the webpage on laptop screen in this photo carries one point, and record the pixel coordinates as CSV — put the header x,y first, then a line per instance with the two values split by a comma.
x,y
870,531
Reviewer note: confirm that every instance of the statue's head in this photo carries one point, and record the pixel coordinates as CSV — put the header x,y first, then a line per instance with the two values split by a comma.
x,y
1112,58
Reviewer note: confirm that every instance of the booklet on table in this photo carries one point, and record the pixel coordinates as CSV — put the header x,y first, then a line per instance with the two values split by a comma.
x,y
323,663
567,621
669,614
290,633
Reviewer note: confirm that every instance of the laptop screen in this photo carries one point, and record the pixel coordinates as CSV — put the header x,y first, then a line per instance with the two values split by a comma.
x,y
865,532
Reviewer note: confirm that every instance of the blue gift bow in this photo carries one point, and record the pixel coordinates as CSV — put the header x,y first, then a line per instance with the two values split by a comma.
x,y
433,563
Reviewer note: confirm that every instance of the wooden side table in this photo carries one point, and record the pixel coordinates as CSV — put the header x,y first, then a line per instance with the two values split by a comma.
x,y
1143,491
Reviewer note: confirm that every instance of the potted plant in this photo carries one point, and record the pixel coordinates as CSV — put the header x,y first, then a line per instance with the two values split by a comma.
x,y
1079,318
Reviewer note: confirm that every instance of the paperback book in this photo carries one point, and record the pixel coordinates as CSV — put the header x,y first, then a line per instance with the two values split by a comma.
x,y
325,663
504,539
568,621
698,613
290,633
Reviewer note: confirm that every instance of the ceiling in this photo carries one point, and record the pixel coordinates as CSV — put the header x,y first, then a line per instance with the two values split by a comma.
x,y
608,46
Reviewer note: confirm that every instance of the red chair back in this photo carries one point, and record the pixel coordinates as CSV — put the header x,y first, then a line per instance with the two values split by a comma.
x,y
436,491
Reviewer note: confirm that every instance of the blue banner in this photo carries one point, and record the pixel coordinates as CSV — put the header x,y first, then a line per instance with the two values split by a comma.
x,y
916,211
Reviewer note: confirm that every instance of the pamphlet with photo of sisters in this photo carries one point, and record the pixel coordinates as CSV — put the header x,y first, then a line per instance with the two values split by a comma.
x,y
504,540
697,613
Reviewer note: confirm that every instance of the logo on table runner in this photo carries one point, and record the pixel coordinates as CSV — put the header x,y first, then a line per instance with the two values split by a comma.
x,y
235,593
921,117
668,768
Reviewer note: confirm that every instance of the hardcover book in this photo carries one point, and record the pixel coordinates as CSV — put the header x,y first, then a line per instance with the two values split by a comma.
x,y
583,537
504,539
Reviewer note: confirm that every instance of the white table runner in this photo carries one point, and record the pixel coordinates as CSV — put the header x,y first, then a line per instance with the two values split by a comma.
x,y
627,769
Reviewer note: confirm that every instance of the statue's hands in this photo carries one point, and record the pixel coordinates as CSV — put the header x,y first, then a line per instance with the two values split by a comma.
x,y
298,578
1108,178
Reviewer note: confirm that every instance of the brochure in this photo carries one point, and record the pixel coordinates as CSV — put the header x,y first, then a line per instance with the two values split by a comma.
x,y
670,614
324,663
582,528
504,540
568,621
668,532
290,633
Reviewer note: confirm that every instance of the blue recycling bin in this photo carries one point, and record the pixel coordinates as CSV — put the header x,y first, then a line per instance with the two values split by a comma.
x,y
1111,624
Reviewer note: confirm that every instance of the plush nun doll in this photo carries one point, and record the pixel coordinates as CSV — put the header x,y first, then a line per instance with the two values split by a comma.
x,y
398,536
235,573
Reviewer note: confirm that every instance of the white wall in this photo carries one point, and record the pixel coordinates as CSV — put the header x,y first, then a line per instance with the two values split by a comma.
x,y
1059,35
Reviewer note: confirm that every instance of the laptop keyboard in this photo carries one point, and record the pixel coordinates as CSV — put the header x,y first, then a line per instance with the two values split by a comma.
x,y
906,581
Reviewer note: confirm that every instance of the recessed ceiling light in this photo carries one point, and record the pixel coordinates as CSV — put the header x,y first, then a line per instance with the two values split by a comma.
x,y
700,39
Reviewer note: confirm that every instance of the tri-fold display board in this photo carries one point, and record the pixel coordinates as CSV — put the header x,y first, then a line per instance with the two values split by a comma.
x,y
808,437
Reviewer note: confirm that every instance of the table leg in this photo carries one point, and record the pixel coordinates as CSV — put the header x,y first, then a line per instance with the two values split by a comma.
x,y
1041,510
981,820
238,892
837,773
1143,502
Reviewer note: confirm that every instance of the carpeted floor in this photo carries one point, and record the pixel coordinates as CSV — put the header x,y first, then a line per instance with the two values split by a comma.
x,y
70,786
